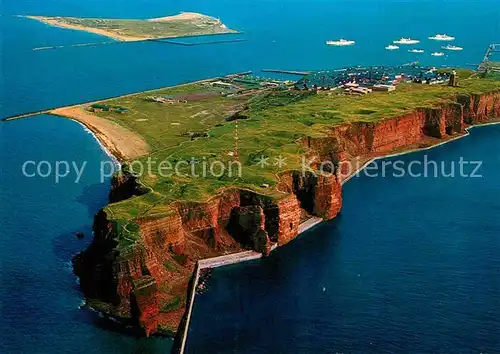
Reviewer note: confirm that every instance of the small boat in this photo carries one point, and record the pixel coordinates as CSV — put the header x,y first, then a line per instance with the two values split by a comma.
x,y
340,42
406,41
437,54
442,37
392,47
416,50
452,47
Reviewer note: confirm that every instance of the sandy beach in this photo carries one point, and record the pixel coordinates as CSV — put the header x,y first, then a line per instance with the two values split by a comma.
x,y
121,142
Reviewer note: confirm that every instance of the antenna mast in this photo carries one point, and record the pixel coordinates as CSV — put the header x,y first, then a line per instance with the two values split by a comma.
x,y
236,154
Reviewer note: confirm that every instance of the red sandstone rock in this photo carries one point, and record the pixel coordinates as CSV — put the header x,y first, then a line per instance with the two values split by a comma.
x,y
288,219
247,225
145,309
128,279
328,199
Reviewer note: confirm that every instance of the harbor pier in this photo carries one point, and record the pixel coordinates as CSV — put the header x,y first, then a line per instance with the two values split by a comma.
x,y
290,72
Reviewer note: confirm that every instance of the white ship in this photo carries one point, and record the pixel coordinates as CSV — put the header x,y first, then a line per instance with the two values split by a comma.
x,y
442,37
452,47
437,54
340,42
406,41
416,50
392,47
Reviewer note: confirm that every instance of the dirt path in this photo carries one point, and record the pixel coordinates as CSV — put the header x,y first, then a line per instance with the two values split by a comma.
x,y
121,142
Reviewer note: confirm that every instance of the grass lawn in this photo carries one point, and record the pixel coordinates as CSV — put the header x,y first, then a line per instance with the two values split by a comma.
x,y
274,120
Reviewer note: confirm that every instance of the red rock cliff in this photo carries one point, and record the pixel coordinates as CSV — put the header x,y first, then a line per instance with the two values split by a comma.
x,y
145,283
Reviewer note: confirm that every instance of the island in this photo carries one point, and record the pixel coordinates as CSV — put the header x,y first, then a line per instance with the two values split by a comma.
x,y
181,25
142,266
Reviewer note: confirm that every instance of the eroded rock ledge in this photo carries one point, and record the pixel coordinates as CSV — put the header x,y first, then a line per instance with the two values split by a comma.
x,y
145,284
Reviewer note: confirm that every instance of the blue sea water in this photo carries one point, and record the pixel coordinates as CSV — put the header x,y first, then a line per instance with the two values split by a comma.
x,y
39,297
283,34
410,266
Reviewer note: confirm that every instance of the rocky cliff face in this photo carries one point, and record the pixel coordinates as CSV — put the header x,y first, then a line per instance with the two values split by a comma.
x,y
288,214
125,185
385,136
480,108
137,282
319,194
247,226
145,283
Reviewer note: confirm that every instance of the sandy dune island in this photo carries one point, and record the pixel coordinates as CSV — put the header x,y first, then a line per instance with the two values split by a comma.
x,y
181,25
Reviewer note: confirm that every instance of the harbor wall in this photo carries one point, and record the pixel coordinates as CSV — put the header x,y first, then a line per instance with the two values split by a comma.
x,y
169,248
215,262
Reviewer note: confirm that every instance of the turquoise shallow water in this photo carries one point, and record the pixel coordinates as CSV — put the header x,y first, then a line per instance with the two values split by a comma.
x,y
39,296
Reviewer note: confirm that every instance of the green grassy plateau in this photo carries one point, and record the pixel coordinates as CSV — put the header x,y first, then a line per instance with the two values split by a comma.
x,y
493,69
194,127
185,24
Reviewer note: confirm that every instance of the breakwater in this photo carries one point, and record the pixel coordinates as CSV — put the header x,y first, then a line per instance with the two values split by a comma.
x,y
221,261
26,115
187,44
166,40
290,72
348,278
48,110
